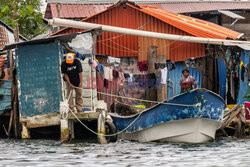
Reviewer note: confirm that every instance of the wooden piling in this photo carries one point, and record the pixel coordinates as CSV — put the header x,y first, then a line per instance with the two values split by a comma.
x,y
101,127
151,93
161,88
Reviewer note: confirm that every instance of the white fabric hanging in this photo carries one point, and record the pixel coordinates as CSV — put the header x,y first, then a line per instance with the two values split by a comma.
x,y
164,73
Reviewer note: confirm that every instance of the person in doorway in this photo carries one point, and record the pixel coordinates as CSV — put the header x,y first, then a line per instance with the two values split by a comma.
x,y
187,82
72,70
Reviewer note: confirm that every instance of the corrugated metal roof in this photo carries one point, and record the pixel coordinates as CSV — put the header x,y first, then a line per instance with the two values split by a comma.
x,y
71,11
231,14
76,10
196,27
192,7
156,20
4,40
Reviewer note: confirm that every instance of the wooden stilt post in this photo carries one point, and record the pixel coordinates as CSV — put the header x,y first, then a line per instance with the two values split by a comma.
x,y
65,134
101,127
25,132
162,88
151,92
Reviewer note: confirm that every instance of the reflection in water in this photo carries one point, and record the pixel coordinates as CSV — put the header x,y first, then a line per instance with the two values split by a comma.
x,y
123,153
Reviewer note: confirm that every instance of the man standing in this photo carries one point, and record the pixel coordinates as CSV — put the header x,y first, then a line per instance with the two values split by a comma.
x,y
72,70
187,81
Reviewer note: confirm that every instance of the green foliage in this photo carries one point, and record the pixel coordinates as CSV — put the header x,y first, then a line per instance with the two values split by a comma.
x,y
25,13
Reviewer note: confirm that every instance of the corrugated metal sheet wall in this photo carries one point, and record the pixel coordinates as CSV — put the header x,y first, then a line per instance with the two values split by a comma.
x,y
175,76
5,90
39,78
118,45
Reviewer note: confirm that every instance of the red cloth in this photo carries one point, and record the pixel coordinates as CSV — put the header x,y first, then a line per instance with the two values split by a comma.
x,y
115,74
247,106
143,65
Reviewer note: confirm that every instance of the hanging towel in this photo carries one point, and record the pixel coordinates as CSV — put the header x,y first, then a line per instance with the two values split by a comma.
x,y
164,73
108,73
114,60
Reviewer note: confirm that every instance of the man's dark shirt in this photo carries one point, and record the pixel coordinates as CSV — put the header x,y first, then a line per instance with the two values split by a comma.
x,y
72,70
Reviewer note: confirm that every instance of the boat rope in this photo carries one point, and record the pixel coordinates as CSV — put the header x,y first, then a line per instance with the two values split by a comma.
x,y
148,101
110,135
65,113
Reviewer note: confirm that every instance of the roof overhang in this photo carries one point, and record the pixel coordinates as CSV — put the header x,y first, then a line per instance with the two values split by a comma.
x,y
62,38
231,14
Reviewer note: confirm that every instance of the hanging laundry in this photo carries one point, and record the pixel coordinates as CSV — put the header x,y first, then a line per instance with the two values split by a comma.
x,y
143,65
246,73
114,61
170,65
115,74
241,64
126,76
190,63
228,54
130,79
143,81
94,64
99,68
242,72
160,65
105,83
108,73
164,73
137,78
90,62
151,80
80,56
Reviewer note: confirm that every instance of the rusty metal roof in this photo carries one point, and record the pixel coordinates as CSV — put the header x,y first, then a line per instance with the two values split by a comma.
x,y
73,11
192,7
76,10
196,27
4,40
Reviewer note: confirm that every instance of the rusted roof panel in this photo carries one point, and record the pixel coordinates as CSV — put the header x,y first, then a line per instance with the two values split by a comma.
x,y
4,40
76,10
192,7
72,11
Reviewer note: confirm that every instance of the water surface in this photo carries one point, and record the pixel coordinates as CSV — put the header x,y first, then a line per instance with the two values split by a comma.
x,y
47,153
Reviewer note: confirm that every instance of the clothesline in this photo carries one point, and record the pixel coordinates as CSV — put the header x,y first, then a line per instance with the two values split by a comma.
x,y
109,72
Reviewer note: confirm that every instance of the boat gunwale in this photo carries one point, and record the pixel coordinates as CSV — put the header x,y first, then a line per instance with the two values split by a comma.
x,y
140,113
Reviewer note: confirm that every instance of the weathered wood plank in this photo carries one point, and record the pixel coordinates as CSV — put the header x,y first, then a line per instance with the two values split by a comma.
x,y
41,120
89,115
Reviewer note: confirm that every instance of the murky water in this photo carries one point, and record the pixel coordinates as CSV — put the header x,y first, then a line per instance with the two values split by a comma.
x,y
123,153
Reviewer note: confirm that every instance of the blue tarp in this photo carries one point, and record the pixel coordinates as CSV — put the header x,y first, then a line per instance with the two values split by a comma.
x,y
222,70
175,76
243,83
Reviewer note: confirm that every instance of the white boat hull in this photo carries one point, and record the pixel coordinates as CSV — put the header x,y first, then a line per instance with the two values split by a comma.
x,y
194,130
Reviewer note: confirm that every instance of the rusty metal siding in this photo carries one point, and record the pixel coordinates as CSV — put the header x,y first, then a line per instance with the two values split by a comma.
x,y
120,45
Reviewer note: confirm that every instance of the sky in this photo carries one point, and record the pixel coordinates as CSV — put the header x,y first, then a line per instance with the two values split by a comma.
x,y
44,6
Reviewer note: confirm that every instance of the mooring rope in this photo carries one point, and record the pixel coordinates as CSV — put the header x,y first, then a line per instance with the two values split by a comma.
x,y
148,101
65,104
110,135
